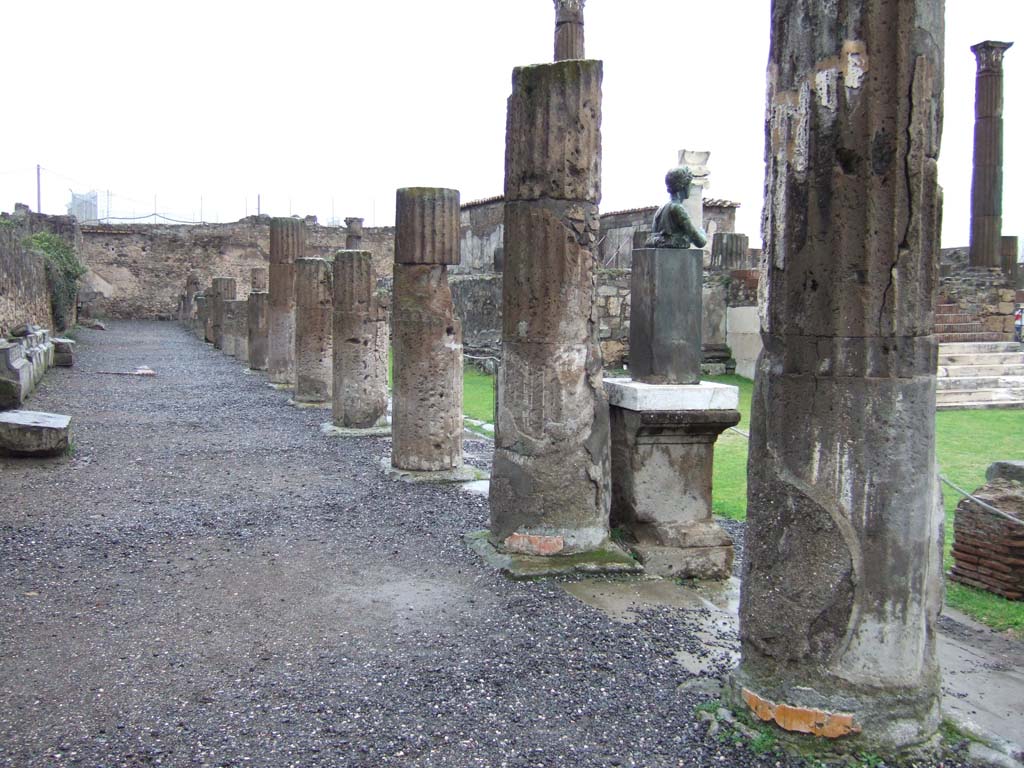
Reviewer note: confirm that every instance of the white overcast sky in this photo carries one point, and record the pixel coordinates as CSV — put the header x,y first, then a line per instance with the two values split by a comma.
x,y
328,107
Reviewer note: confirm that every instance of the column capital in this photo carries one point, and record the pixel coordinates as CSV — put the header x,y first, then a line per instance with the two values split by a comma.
x,y
990,55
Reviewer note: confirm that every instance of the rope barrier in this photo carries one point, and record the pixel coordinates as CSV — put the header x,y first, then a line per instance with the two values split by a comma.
x,y
951,484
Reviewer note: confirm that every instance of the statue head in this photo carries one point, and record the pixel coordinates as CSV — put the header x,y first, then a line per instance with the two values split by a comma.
x,y
678,180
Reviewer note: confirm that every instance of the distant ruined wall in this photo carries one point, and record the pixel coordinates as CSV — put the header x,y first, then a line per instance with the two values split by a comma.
x,y
139,270
24,291
985,292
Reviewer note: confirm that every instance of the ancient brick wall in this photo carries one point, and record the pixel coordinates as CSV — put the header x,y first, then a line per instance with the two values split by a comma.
x,y
24,291
613,314
139,270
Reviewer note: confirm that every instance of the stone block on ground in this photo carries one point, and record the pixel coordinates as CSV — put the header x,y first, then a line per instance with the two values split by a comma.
x,y
1006,470
63,352
34,433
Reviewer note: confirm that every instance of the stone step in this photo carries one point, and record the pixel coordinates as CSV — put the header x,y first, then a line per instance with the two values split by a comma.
x,y
998,346
984,395
954,318
972,327
975,383
980,359
959,338
34,433
947,307
977,405
998,370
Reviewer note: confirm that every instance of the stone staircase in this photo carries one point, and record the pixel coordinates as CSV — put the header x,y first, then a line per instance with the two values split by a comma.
x,y
978,369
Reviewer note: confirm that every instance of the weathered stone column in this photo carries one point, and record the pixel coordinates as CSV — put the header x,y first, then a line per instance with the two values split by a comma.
x,y
223,290
987,182
313,309
354,235
202,316
842,580
550,484
258,326
188,306
258,277
730,250
569,40
427,374
360,388
287,243
229,328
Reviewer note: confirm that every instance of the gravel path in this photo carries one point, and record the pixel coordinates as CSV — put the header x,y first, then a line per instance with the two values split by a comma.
x,y
209,581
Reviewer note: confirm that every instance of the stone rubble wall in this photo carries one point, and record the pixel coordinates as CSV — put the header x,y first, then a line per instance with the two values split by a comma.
x,y
984,292
138,270
23,361
24,292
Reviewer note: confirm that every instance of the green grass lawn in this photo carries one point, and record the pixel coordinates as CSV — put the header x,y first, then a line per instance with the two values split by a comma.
x,y
967,442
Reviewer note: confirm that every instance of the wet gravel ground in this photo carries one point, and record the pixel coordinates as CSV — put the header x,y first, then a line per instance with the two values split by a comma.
x,y
210,581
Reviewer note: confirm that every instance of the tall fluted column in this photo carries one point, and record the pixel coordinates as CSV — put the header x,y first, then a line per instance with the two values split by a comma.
x,y
258,316
313,342
842,575
569,40
427,388
987,182
550,485
360,395
287,243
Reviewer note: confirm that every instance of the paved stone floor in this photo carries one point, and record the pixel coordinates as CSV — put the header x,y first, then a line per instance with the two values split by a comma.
x,y
208,580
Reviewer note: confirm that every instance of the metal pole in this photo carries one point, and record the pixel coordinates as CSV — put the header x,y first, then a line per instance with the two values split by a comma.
x,y
39,190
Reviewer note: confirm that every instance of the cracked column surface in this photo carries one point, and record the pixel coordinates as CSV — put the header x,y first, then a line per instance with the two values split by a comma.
x,y
360,396
842,580
426,430
550,483
987,179
287,243
314,301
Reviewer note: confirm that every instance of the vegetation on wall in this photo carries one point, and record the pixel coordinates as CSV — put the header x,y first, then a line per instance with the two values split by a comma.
x,y
63,269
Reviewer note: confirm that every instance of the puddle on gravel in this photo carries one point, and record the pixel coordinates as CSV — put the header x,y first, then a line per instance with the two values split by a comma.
x,y
711,607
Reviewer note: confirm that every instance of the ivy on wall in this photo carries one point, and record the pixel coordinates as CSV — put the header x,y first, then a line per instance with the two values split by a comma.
x,y
63,269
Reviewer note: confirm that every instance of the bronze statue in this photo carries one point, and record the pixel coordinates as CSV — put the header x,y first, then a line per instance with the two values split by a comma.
x,y
673,227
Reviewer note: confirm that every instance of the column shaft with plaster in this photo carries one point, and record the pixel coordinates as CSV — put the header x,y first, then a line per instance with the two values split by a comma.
x,y
360,395
313,338
569,37
224,289
842,576
550,483
258,316
287,243
427,387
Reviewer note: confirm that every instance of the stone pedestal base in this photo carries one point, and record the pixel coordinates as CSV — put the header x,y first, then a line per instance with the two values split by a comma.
x,y
663,441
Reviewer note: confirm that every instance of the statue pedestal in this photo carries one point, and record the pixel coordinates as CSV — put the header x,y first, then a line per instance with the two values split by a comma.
x,y
663,441
665,315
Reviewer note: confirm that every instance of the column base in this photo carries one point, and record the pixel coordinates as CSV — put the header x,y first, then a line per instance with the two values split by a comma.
x,y
608,558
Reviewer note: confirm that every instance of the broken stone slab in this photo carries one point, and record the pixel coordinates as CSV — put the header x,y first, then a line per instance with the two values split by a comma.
x,y
1005,470
63,352
15,375
34,433
605,559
